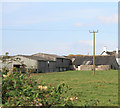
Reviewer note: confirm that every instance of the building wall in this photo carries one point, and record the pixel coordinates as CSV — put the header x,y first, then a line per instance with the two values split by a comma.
x,y
8,64
62,64
52,66
66,63
43,66
30,63
114,64
118,60
59,62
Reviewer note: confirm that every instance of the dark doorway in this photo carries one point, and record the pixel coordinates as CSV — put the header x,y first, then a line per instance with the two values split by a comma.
x,y
16,66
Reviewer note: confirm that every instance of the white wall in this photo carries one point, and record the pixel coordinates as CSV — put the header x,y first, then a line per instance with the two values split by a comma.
x,y
29,62
104,53
118,60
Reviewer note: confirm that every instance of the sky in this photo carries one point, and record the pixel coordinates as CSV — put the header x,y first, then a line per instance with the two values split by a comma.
x,y
58,27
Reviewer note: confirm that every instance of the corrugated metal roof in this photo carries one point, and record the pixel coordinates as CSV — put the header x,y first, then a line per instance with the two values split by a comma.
x,y
52,57
35,58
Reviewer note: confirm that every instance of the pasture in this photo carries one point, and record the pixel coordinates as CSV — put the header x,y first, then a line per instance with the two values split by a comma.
x,y
100,90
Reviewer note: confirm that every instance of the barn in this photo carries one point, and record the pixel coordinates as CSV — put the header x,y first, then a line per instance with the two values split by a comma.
x,y
40,62
61,63
87,61
36,64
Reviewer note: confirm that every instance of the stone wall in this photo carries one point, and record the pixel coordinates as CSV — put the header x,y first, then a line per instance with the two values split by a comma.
x,y
86,67
99,67
103,67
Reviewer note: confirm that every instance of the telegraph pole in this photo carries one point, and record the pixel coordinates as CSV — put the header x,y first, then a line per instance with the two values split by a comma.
x,y
94,50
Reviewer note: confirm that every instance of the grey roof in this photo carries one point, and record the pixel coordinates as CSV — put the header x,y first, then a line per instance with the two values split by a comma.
x,y
52,57
39,58
99,60
43,57
34,57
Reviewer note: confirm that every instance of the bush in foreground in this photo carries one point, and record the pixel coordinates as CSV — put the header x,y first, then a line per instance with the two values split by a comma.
x,y
20,90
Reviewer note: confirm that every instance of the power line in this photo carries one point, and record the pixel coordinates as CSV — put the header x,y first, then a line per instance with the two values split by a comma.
x,y
38,30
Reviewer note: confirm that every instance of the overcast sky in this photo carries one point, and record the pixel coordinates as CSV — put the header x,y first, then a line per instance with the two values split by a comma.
x,y
59,28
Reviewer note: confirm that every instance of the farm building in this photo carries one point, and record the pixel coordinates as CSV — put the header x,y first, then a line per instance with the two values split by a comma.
x,y
102,62
40,62
61,63
8,62
115,53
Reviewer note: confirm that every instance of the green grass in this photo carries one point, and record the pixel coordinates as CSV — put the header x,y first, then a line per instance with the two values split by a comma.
x,y
102,87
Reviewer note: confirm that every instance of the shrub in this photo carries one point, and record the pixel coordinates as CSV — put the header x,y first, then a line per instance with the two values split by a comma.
x,y
20,90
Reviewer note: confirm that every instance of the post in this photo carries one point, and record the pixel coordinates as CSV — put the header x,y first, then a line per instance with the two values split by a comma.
x,y
94,51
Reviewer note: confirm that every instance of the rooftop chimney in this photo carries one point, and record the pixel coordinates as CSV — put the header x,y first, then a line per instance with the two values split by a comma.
x,y
105,49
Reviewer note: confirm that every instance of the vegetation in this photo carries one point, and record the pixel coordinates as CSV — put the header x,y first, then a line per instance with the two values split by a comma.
x,y
20,90
98,90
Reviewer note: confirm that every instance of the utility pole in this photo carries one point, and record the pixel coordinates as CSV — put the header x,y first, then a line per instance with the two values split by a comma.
x,y
94,50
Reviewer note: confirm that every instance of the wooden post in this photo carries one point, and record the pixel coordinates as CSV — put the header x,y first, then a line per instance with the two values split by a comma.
x,y
93,53
94,50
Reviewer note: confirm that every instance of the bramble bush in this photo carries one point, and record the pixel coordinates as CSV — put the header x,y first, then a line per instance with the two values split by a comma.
x,y
19,89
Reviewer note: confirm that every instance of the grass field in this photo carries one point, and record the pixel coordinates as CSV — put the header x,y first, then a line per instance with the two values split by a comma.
x,y
101,88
